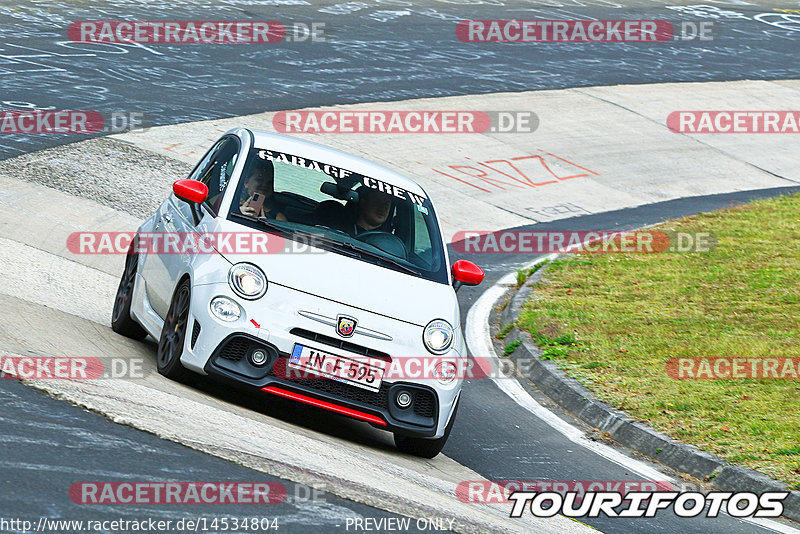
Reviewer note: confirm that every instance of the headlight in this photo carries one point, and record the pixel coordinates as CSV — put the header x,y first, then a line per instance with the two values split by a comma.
x,y
438,336
225,309
247,281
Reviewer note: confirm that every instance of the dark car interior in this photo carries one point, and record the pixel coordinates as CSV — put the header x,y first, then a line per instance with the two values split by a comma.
x,y
393,236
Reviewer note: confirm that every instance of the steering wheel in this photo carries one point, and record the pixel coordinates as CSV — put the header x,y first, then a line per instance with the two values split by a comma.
x,y
386,242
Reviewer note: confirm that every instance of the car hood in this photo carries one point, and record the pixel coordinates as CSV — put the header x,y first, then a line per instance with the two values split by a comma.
x,y
359,284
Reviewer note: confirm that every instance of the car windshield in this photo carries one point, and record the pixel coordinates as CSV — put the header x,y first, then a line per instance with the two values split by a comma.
x,y
340,211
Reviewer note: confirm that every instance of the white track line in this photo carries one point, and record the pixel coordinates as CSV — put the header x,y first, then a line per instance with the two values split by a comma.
x,y
479,340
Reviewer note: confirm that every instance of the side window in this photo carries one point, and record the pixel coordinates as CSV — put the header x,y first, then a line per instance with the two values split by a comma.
x,y
422,238
203,165
215,170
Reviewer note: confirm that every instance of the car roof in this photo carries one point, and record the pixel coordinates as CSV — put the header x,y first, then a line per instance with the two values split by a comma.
x,y
332,156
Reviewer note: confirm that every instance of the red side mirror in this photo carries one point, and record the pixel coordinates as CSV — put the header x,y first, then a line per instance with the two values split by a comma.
x,y
467,273
190,190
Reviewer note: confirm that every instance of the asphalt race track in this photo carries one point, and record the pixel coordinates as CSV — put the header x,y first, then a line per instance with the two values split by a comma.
x,y
53,444
54,435
378,51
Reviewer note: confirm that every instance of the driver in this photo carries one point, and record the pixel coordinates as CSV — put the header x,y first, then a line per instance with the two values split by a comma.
x,y
260,181
374,208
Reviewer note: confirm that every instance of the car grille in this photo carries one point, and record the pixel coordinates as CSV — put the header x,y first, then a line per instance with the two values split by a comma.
x,y
424,400
235,348
424,403
340,344
378,399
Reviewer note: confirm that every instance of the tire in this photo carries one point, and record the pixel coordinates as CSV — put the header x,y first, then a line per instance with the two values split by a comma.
x,y
121,320
173,336
424,447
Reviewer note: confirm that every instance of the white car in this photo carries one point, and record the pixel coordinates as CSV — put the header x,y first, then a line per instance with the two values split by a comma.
x,y
351,305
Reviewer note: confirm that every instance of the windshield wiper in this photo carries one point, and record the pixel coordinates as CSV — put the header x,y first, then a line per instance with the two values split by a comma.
x,y
264,222
360,253
390,261
271,225
347,248
396,263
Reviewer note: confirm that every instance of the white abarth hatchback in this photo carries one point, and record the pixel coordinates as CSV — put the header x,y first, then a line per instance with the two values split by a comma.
x,y
297,270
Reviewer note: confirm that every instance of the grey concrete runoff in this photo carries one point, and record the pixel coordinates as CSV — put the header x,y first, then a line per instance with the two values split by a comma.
x,y
572,396
596,149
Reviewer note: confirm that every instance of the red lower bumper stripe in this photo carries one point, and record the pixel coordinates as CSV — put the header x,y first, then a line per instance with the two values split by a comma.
x,y
323,404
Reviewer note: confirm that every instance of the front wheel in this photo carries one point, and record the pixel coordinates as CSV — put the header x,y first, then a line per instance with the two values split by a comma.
x,y
423,447
173,336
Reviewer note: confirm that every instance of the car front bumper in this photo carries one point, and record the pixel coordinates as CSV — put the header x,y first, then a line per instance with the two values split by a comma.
x,y
222,349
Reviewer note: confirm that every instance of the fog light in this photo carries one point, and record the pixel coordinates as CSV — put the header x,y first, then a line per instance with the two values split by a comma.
x,y
446,372
403,399
258,357
225,309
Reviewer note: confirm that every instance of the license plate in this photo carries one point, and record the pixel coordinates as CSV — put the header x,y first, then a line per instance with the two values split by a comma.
x,y
358,371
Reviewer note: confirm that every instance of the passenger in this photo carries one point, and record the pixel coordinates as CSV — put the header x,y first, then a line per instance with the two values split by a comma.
x,y
256,198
